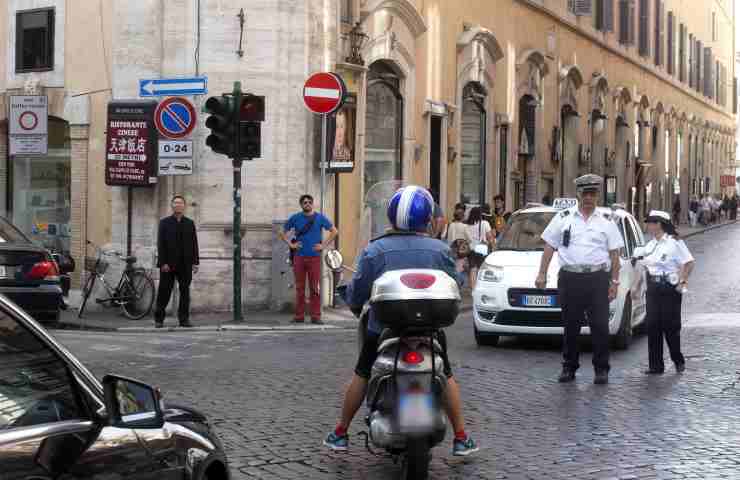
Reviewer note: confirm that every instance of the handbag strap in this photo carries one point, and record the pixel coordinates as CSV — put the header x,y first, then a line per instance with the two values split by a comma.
x,y
306,227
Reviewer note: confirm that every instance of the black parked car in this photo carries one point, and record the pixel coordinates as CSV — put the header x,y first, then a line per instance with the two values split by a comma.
x,y
58,421
29,275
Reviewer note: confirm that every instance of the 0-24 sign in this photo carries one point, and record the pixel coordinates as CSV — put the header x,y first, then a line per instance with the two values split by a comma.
x,y
175,149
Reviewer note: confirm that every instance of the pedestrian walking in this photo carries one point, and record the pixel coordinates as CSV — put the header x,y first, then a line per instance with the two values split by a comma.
x,y
733,206
669,264
500,215
588,243
177,259
677,210
481,239
456,236
306,246
693,211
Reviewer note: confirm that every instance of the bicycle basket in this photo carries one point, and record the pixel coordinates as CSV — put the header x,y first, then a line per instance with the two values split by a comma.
x,y
92,265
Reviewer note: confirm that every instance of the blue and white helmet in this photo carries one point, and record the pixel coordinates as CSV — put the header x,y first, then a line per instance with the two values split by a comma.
x,y
411,209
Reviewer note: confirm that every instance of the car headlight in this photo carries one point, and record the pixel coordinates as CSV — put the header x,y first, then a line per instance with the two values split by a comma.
x,y
491,273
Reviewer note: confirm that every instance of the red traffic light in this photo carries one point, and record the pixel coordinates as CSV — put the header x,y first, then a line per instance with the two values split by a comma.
x,y
252,109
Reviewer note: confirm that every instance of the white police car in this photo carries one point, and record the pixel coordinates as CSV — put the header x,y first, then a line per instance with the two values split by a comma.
x,y
506,302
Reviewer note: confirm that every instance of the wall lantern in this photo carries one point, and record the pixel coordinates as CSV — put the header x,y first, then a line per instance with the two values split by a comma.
x,y
357,40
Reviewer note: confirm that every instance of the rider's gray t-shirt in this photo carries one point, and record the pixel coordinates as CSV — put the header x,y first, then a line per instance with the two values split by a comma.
x,y
396,252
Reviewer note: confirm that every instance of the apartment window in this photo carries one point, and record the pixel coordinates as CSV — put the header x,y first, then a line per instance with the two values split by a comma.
x,y
708,73
698,81
604,15
581,8
682,53
34,41
346,10
691,61
659,32
644,40
627,22
671,47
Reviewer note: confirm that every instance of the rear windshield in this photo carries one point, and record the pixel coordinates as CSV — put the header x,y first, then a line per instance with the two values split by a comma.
x,y
10,234
524,232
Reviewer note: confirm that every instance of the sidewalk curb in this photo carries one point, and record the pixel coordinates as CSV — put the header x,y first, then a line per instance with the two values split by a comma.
x,y
212,328
713,227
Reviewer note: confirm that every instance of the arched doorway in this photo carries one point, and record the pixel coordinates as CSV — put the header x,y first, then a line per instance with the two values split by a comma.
x,y
383,125
473,164
39,190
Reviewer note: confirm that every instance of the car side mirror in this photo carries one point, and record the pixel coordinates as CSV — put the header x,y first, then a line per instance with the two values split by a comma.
x,y
132,404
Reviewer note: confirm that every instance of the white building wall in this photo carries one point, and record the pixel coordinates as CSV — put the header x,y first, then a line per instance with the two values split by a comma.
x,y
284,40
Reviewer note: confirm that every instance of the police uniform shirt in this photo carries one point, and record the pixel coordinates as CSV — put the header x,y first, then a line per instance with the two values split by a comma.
x,y
666,256
591,239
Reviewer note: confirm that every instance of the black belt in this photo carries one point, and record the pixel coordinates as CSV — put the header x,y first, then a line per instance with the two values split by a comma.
x,y
663,279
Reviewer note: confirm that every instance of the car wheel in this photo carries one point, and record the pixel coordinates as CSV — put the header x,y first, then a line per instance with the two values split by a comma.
x,y
623,338
485,339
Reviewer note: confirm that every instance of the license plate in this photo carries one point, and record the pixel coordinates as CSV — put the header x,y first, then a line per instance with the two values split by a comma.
x,y
3,272
415,411
539,300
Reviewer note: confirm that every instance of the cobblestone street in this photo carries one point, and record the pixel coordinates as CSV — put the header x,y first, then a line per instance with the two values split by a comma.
x,y
273,396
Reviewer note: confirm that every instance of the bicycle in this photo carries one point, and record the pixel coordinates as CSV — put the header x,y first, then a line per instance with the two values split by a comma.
x,y
134,292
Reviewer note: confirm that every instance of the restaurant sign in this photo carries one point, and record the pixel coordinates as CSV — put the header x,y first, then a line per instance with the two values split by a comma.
x,y
131,144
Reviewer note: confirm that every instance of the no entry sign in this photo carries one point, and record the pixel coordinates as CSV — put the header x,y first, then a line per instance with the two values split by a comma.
x,y
175,118
324,93
27,124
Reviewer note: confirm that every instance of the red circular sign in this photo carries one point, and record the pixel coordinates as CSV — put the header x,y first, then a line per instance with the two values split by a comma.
x,y
175,117
28,120
323,93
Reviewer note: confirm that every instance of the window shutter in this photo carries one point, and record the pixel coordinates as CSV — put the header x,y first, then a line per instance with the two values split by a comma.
x,y
698,68
659,33
631,13
624,23
583,8
572,6
609,15
670,51
682,53
644,39
691,61
707,86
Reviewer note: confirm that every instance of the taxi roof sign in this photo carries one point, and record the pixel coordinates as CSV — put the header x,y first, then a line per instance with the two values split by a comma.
x,y
563,203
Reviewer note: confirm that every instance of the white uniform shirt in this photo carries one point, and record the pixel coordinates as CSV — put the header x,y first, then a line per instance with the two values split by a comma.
x,y
590,240
666,256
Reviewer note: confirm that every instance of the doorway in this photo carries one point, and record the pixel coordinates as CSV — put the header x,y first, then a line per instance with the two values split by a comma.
x,y
435,157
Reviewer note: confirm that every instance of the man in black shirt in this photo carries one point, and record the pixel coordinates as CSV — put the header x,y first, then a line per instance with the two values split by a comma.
x,y
177,258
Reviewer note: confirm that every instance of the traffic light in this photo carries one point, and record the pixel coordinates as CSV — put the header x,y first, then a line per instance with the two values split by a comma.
x,y
250,140
222,125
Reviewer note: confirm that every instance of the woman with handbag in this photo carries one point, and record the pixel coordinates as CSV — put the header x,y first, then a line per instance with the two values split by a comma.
x,y
481,240
456,236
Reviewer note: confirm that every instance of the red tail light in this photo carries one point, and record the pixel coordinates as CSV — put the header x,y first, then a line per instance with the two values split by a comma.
x,y
418,281
413,357
45,270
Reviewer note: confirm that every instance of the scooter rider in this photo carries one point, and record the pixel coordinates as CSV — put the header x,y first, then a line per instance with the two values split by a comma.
x,y
406,246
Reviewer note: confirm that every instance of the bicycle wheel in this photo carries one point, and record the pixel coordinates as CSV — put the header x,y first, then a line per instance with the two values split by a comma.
x,y
86,292
138,294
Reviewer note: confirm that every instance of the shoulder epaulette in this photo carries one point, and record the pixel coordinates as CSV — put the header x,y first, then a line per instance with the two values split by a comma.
x,y
565,213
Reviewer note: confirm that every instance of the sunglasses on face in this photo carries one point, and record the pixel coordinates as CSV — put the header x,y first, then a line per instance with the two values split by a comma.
x,y
306,202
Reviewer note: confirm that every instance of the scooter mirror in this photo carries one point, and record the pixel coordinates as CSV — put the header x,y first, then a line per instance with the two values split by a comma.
x,y
334,260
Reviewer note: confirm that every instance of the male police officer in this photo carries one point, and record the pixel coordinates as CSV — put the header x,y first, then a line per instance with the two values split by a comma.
x,y
588,244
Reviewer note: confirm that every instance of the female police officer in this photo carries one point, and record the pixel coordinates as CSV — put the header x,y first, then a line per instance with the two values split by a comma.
x,y
669,264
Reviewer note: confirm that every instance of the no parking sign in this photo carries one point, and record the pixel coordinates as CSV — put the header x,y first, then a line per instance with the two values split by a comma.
x,y
175,118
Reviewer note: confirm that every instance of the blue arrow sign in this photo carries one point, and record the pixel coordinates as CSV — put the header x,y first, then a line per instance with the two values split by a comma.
x,y
173,86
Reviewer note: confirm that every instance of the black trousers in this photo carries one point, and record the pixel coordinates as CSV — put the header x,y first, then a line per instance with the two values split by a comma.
x,y
581,293
663,320
184,275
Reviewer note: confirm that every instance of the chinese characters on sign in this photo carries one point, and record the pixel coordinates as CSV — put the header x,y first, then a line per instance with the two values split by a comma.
x,y
131,144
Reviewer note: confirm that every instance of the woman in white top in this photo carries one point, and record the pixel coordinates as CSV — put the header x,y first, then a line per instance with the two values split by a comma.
x,y
479,233
456,236
669,264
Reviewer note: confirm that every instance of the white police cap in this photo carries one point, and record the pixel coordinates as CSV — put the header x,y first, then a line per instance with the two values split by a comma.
x,y
658,215
588,182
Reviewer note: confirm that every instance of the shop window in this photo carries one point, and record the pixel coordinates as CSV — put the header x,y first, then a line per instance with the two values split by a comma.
x,y
40,191
34,41
473,166
383,126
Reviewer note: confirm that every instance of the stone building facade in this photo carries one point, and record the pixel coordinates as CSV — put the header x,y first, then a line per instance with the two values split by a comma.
x,y
519,97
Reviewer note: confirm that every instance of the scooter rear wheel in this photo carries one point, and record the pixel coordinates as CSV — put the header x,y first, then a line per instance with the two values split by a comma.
x,y
416,460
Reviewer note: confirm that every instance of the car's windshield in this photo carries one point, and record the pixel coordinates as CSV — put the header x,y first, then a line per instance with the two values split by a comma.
x,y
524,232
